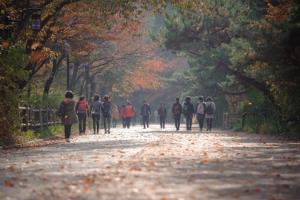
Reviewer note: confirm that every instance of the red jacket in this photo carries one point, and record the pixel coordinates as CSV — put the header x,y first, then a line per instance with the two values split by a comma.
x,y
128,111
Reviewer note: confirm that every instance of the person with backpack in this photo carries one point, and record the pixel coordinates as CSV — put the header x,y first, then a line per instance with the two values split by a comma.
x,y
67,113
145,113
96,111
81,110
176,111
200,112
188,111
209,114
162,112
128,112
106,113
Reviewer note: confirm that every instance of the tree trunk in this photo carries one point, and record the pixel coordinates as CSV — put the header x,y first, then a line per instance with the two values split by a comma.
x,y
49,81
73,80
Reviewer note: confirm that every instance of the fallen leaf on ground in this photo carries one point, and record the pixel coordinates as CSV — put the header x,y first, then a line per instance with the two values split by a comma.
x,y
8,183
135,168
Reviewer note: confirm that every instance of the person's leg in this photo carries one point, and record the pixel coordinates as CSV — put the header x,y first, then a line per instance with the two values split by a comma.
x,y
144,121
147,121
210,124
84,122
161,122
191,122
207,124
108,123
104,124
80,122
98,123
129,122
94,123
199,120
124,122
177,122
67,132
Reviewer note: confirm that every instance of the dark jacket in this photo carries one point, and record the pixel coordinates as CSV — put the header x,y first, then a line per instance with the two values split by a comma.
x,y
177,109
106,109
145,110
188,108
67,110
96,107
162,112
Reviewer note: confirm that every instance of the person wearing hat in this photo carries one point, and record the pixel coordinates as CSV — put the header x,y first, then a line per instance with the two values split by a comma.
x,y
200,112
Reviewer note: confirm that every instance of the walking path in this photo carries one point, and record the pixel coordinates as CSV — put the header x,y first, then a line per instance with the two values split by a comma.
x,y
155,164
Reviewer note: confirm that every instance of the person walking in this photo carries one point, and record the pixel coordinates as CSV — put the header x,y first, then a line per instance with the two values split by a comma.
x,y
96,111
162,112
200,112
115,115
67,113
129,112
145,113
188,111
81,110
106,113
210,111
176,111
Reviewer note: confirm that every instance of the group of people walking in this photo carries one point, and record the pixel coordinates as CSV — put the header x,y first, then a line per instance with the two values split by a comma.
x,y
72,112
202,110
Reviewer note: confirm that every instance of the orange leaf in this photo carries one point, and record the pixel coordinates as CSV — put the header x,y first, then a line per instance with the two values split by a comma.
x,y
8,183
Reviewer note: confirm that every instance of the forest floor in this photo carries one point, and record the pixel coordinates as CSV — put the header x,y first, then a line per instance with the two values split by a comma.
x,y
155,164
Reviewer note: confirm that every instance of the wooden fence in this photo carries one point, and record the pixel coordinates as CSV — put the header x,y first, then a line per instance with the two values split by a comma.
x,y
37,118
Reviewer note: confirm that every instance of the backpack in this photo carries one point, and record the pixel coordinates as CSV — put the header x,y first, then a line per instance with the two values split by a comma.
x,y
185,109
209,109
201,108
82,106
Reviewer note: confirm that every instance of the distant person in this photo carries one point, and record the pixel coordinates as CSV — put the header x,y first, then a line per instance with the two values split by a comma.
x,y
123,115
106,113
67,113
162,112
210,111
129,112
96,111
145,113
176,111
115,115
200,112
188,111
81,110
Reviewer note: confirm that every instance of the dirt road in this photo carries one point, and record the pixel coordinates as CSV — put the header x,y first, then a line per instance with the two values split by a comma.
x,y
155,164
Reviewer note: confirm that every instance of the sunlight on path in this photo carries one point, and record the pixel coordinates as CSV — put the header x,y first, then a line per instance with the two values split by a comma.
x,y
154,164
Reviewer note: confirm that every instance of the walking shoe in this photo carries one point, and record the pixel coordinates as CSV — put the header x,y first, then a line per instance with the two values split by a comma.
x,y
67,139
